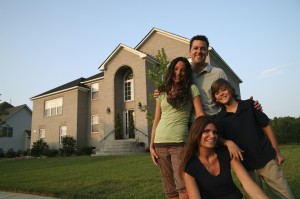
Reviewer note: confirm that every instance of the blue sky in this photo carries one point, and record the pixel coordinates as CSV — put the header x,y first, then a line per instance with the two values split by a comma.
x,y
44,44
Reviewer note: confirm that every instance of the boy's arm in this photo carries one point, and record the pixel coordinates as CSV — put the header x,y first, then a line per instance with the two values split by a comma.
x,y
271,136
234,150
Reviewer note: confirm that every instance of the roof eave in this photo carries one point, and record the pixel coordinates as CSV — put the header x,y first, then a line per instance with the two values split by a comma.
x,y
61,91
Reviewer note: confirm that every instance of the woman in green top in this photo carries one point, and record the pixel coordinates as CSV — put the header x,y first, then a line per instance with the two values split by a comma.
x,y
170,126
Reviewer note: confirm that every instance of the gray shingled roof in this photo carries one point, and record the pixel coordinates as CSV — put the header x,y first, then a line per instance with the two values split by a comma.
x,y
13,110
71,84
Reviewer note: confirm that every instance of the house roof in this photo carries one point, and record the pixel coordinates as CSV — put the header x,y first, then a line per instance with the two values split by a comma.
x,y
159,31
102,67
11,111
72,84
93,78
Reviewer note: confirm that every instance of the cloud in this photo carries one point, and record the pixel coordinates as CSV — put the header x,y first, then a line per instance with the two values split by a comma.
x,y
271,72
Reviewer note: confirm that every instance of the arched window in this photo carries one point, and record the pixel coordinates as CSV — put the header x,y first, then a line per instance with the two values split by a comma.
x,y
128,86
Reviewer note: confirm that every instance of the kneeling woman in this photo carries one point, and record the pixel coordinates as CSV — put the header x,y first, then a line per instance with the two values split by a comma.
x,y
207,169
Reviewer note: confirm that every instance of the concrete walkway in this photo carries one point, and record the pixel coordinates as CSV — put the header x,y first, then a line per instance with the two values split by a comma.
x,y
9,195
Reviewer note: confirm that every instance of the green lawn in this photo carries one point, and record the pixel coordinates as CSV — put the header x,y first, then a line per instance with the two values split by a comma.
x,y
104,177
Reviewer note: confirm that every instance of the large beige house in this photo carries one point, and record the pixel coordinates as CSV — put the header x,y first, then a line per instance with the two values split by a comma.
x,y
87,108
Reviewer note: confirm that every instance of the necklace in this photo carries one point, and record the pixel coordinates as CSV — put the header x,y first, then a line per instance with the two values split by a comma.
x,y
205,164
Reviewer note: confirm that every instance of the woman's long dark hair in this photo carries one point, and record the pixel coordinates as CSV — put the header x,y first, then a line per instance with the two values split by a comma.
x,y
183,88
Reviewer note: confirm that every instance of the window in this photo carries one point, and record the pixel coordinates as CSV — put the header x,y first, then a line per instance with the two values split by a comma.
x,y
62,133
6,131
95,123
94,91
128,86
53,107
42,133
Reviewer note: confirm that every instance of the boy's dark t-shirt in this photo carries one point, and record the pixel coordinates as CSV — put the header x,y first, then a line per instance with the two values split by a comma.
x,y
245,128
210,186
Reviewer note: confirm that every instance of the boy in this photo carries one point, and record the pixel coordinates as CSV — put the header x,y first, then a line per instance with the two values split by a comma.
x,y
243,129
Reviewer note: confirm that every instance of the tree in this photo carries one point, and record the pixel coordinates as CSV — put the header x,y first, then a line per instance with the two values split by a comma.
x,y
157,76
3,112
286,129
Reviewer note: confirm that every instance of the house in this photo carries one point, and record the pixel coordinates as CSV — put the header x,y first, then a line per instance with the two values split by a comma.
x,y
88,109
15,133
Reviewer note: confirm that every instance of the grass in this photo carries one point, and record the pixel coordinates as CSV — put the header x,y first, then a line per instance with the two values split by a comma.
x,y
114,177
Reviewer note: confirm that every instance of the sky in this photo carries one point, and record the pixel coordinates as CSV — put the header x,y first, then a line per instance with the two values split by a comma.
x,y
45,44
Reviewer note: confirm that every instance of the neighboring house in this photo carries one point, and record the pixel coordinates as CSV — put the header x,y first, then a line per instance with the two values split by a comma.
x,y
15,133
86,108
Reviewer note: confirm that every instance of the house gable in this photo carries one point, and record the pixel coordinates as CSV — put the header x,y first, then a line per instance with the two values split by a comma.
x,y
120,47
157,39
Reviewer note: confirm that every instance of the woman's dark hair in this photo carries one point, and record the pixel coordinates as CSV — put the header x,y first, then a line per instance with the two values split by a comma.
x,y
183,88
222,84
191,146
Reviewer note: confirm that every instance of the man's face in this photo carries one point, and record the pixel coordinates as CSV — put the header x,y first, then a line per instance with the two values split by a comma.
x,y
198,52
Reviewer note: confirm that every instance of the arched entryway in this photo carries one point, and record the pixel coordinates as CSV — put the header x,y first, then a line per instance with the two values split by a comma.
x,y
124,102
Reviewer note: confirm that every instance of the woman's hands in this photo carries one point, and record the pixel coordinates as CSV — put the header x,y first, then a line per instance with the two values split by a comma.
x,y
154,156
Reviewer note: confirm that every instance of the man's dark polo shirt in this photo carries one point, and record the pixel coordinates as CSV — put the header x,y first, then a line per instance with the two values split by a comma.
x,y
245,128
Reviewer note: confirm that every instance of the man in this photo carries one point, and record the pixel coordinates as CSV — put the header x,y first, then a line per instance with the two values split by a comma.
x,y
204,74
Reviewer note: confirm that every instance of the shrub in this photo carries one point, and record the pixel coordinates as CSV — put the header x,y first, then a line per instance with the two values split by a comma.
x,y
2,153
68,146
52,152
86,150
39,148
11,153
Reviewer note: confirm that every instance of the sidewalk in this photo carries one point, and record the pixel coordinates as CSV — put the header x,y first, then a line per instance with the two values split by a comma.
x,y
9,195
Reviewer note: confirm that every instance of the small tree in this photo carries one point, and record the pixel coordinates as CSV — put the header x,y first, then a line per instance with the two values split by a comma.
x,y
39,148
68,145
131,125
157,76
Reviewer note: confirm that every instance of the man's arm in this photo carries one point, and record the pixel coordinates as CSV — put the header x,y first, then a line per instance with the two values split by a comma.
x,y
257,105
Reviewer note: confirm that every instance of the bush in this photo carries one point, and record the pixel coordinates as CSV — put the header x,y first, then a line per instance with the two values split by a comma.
x,y
52,152
2,153
39,148
86,150
68,146
11,153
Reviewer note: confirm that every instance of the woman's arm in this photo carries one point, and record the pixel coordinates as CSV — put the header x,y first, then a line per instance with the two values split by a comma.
x,y
252,189
271,136
154,156
198,106
191,186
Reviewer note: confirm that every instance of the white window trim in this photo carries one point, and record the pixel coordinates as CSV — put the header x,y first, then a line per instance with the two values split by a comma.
x,y
62,133
94,89
131,88
42,133
96,123
53,107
